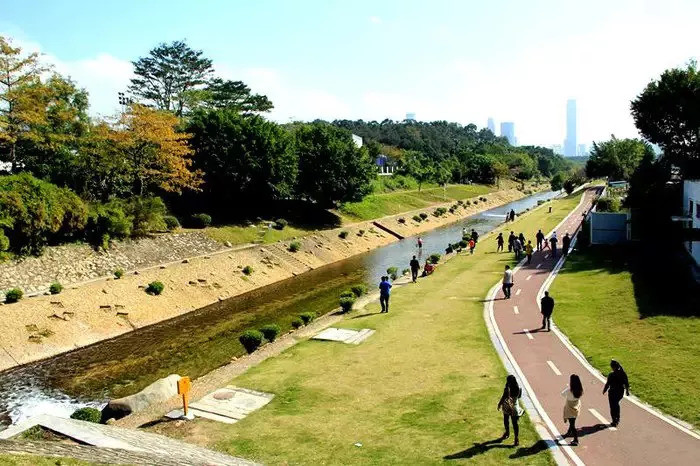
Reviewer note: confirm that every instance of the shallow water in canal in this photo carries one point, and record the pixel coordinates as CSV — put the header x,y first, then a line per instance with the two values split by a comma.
x,y
202,340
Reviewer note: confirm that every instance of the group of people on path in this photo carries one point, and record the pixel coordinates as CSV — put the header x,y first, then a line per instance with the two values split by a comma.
x,y
519,246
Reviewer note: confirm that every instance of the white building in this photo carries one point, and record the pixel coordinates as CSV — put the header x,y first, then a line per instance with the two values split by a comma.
x,y
691,214
357,140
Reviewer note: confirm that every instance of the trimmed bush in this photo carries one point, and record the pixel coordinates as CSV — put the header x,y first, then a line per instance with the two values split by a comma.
x,y
307,317
296,323
55,288
270,331
359,290
119,273
346,303
434,258
392,272
608,204
280,224
294,246
463,244
247,270
171,222
155,288
417,218
200,220
448,249
402,220
343,234
460,202
87,414
347,294
423,215
13,295
251,340
146,214
468,203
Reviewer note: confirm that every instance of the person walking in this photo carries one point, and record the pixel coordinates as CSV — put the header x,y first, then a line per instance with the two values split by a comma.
x,y
415,268
420,243
475,236
384,292
510,407
518,247
546,308
565,244
572,406
553,242
472,245
616,387
499,240
512,215
507,282
511,238
521,237
546,244
528,251
540,238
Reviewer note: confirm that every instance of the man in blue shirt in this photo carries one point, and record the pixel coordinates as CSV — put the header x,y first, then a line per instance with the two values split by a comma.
x,y
384,292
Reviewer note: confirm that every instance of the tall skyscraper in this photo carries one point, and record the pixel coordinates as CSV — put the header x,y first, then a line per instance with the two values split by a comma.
x,y
570,142
410,116
490,124
508,131
582,150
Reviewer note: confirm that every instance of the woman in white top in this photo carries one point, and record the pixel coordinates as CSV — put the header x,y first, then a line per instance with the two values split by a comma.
x,y
572,406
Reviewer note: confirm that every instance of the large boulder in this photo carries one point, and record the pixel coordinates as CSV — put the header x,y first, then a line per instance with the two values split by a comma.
x,y
159,391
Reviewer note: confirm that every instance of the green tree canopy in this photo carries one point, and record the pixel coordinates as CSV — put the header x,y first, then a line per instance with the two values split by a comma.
x,y
332,169
617,158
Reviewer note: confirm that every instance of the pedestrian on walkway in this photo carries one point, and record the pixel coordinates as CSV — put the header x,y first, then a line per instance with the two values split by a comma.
x,y
499,240
540,238
616,386
521,237
518,247
511,238
507,282
528,251
472,245
384,292
420,243
510,407
546,308
565,244
475,236
572,406
546,244
512,215
553,241
415,268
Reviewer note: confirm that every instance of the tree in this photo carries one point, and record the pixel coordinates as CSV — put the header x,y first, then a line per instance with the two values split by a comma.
x,y
577,178
235,95
418,166
20,98
242,157
166,77
332,169
617,158
667,113
557,182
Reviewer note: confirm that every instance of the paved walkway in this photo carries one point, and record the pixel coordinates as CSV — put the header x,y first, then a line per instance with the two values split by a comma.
x,y
543,362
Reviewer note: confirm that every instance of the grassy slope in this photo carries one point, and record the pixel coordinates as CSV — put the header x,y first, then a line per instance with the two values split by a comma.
x,y
600,305
423,388
239,234
28,460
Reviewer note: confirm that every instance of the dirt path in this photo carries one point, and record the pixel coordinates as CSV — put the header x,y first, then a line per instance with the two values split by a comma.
x,y
543,362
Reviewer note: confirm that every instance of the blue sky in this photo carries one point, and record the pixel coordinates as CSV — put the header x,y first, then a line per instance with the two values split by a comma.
x,y
456,60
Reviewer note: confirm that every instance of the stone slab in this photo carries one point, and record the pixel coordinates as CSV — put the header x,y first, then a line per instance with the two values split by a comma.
x,y
229,404
344,335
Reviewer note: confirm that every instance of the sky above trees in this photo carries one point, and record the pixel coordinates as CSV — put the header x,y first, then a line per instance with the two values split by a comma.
x,y
461,61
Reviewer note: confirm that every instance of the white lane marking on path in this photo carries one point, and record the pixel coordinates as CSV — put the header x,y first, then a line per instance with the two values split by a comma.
x,y
529,335
538,265
600,417
515,309
528,277
553,367
518,292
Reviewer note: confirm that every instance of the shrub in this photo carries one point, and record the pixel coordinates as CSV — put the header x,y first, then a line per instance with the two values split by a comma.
x,y
155,288
87,414
440,211
417,218
468,203
343,234
13,295
55,288
359,290
251,340
346,303
147,215
405,271
360,232
247,270
171,222
294,246
392,272
423,215
402,220
448,249
280,224
200,220
608,204
119,273
460,202
296,323
476,201
4,241
434,258
347,294
307,317
270,331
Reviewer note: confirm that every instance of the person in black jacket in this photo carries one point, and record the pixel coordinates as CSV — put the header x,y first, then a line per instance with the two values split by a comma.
x,y
565,244
511,239
546,307
510,408
540,237
616,386
415,268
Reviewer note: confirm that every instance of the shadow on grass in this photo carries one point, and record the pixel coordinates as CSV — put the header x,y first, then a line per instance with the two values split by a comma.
x,y
535,448
478,449
369,314
661,277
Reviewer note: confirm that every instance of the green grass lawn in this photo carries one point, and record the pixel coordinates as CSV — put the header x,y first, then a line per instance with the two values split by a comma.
x,y
383,204
240,234
422,389
624,304
30,460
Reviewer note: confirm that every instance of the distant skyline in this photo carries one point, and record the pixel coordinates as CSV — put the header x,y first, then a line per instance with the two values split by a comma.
x,y
508,132
466,60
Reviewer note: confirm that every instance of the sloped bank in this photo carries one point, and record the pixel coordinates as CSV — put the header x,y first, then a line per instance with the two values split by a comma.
x,y
45,326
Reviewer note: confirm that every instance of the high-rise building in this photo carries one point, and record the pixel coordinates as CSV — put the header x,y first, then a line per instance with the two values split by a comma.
x,y
570,142
490,124
410,116
508,131
582,150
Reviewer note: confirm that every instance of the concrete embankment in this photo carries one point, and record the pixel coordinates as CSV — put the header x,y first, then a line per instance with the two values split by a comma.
x,y
45,326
